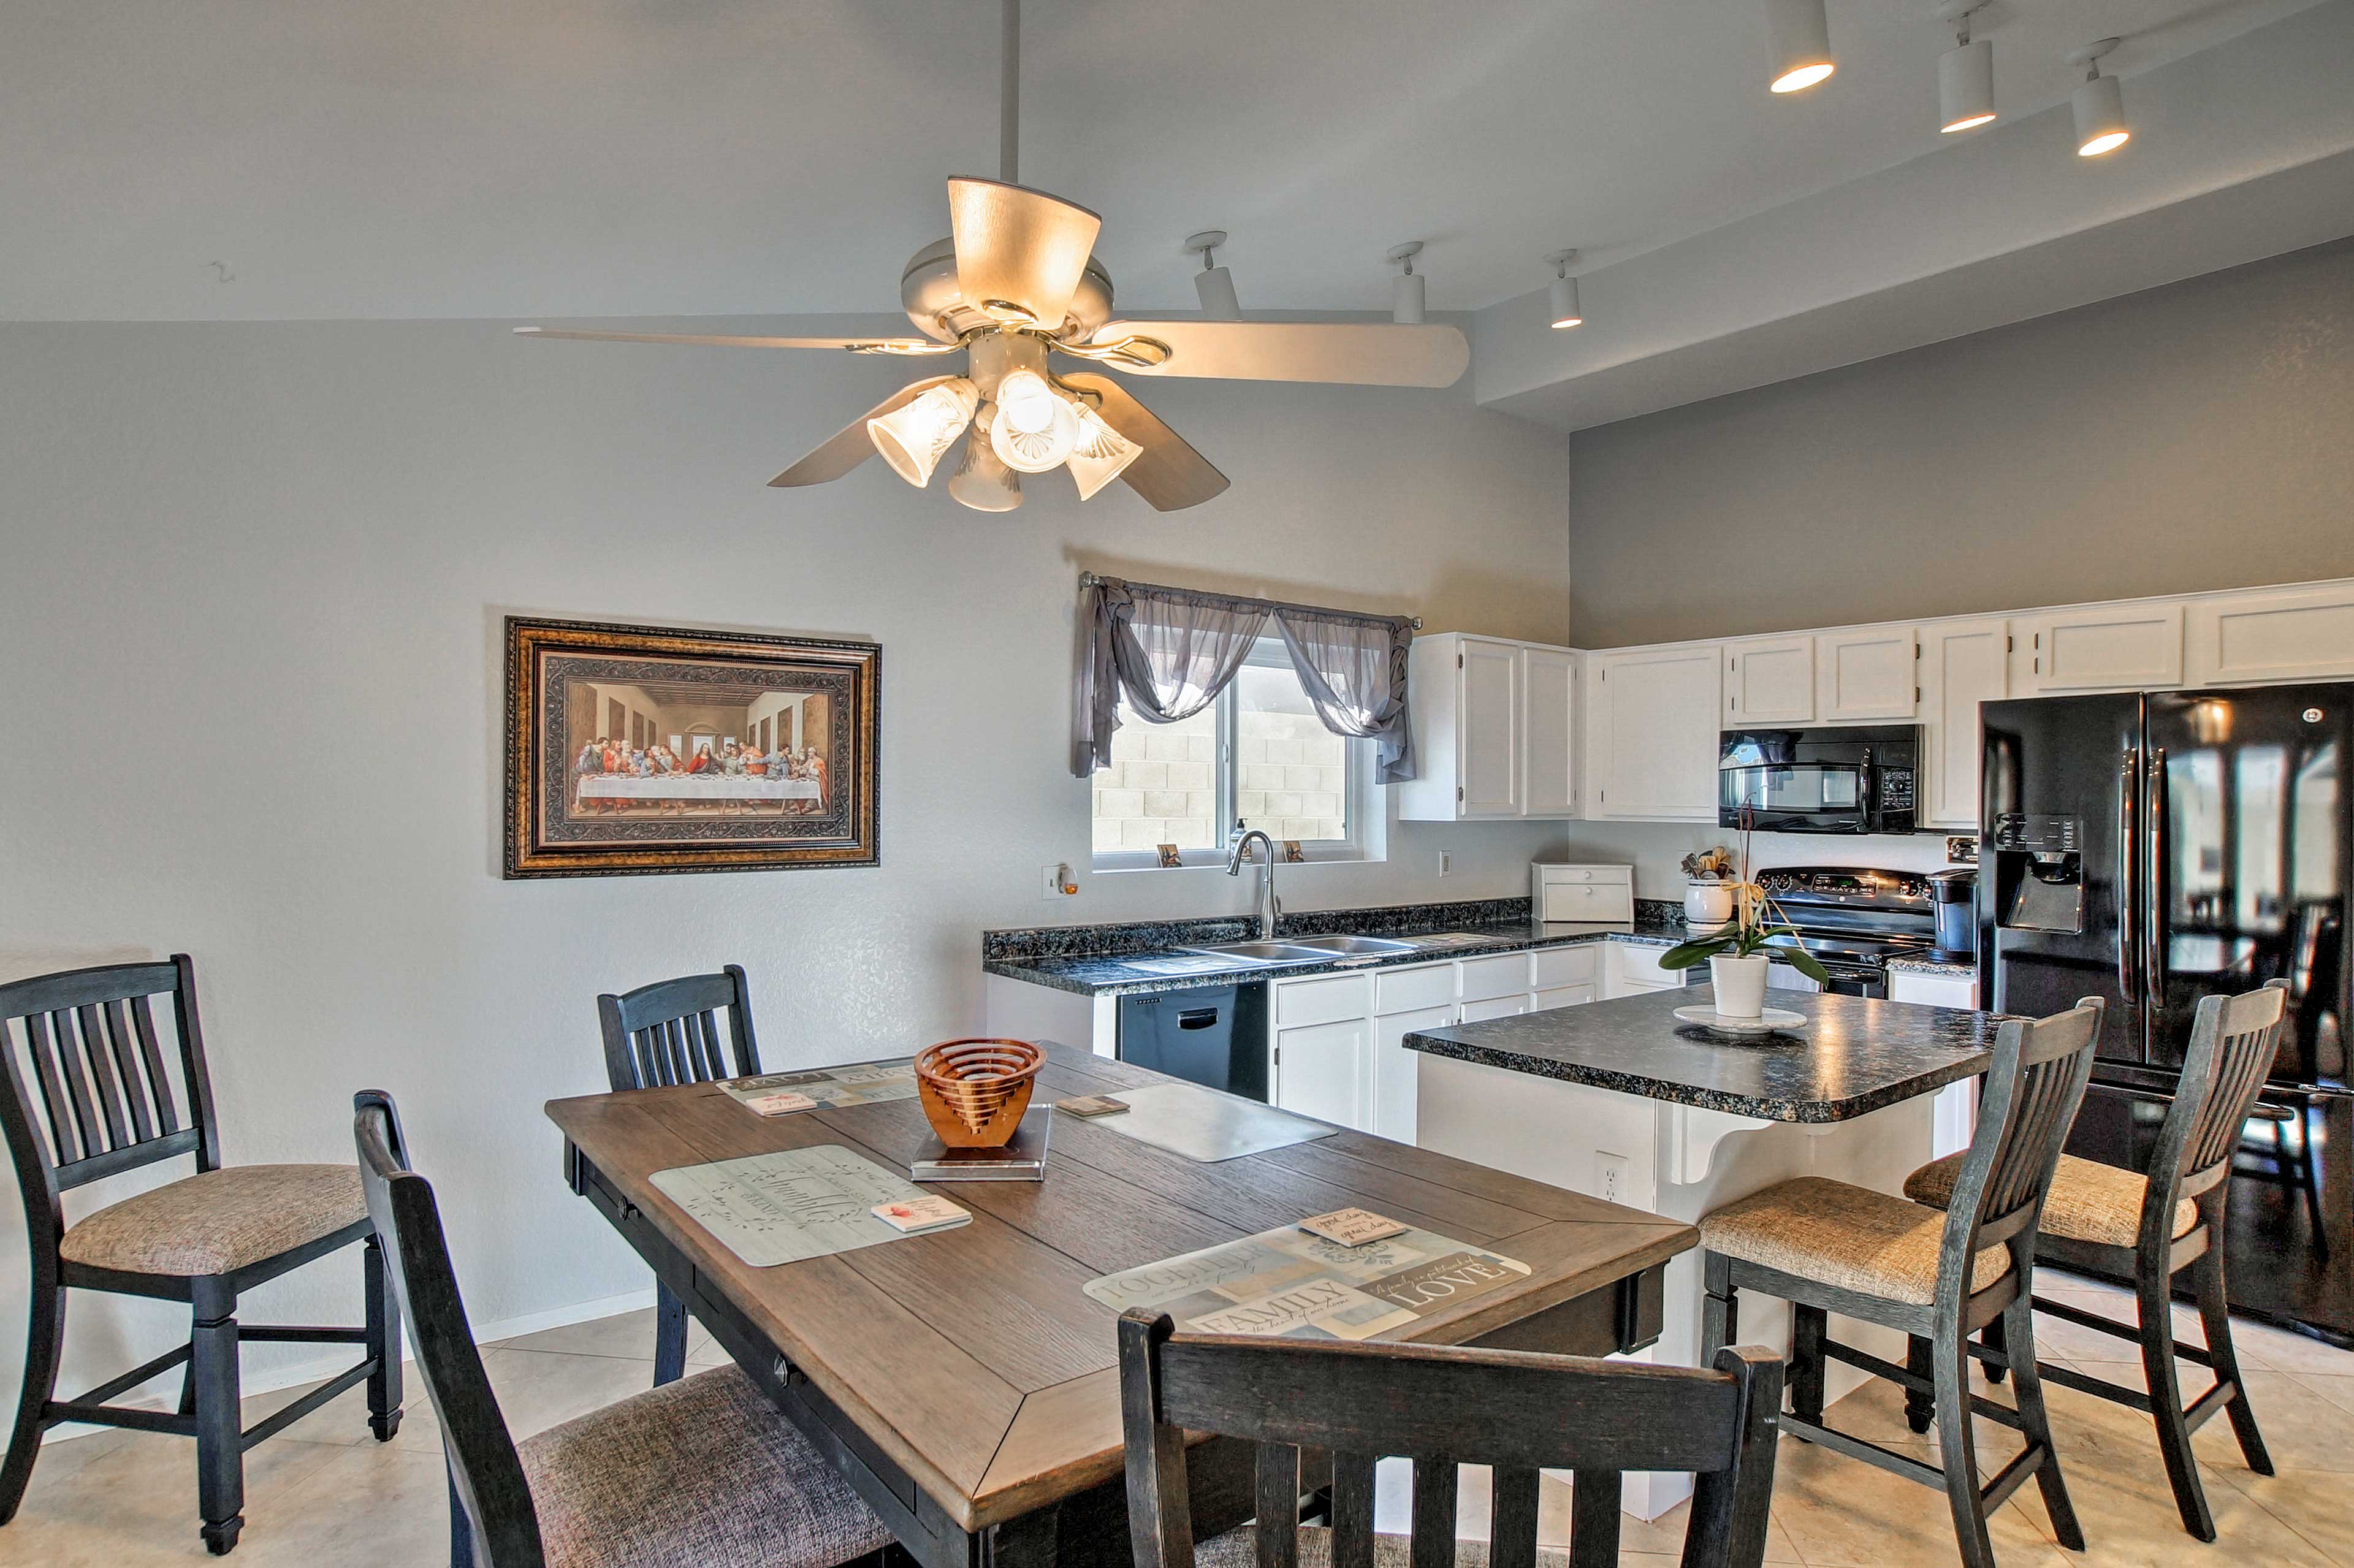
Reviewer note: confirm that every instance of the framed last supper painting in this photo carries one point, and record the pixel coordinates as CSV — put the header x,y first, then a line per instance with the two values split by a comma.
x,y
640,748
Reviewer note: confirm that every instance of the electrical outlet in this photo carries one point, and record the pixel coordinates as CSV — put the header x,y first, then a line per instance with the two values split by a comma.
x,y
1960,851
1446,863
1612,1177
1057,881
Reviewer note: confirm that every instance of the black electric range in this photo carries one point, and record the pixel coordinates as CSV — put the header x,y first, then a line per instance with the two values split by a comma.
x,y
1852,919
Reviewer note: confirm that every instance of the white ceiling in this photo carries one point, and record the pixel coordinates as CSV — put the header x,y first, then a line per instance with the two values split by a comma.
x,y
438,158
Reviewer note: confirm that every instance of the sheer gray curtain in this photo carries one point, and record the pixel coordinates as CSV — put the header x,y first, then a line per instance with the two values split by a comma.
x,y
1354,668
1171,651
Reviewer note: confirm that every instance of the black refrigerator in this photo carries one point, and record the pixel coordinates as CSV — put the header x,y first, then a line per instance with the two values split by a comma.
x,y
2155,847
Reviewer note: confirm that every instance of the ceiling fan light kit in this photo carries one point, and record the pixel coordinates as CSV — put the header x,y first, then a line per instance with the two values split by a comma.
x,y
914,437
981,480
1964,73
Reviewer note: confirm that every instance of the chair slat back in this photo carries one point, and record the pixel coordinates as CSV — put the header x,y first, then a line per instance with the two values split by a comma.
x,y
89,1091
1443,1407
486,1479
2234,1043
668,1033
2033,1089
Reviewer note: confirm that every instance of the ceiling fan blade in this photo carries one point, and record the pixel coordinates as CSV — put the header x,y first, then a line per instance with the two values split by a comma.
x,y
1170,474
1362,353
1018,247
851,445
855,344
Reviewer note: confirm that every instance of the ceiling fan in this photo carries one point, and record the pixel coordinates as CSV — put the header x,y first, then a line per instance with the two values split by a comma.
x,y
1017,283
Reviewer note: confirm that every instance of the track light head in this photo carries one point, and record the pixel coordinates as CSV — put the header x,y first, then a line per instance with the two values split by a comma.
x,y
1406,288
1213,285
2098,104
1800,35
1964,73
1561,294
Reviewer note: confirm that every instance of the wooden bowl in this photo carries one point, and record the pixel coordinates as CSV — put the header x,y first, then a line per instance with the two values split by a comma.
x,y
974,1091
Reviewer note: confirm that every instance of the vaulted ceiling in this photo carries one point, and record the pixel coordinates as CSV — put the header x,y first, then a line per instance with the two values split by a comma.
x,y
466,158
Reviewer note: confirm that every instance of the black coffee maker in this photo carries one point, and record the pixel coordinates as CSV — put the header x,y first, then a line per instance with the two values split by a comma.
x,y
1956,895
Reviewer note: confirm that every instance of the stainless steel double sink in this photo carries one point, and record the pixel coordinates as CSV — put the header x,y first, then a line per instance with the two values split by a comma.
x,y
1307,949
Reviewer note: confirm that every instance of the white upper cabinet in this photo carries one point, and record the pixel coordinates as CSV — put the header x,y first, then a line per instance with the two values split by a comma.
x,y
1963,664
1494,730
1770,680
2106,647
1652,732
1866,675
2281,634
1549,774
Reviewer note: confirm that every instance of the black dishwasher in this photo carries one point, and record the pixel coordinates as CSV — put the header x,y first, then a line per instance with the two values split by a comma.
x,y
1212,1035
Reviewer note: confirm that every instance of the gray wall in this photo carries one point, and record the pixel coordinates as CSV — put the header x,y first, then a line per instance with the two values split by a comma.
x,y
2196,436
251,617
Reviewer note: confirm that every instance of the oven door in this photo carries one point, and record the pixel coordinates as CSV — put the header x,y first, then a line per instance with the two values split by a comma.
x,y
1796,796
1847,980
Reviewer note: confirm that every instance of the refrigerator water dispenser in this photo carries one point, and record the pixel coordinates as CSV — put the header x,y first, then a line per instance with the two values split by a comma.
x,y
2039,873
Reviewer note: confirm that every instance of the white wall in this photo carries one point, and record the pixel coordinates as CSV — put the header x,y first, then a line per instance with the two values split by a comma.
x,y
224,533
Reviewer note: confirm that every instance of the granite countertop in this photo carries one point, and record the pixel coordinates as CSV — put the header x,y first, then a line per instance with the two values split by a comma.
x,y
1933,967
1856,1054
1133,960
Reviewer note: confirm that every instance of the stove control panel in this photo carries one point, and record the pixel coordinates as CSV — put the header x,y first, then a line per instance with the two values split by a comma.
x,y
1845,884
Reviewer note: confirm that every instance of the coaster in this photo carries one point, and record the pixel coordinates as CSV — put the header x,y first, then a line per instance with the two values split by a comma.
x,y
1091,1105
912,1216
780,1104
1353,1227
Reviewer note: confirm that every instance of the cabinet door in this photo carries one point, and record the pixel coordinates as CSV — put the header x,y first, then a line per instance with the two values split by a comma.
x,y
1498,1007
1866,675
1394,1067
1769,679
1324,1070
1656,728
2297,634
1549,785
1560,996
2107,648
1963,664
1488,729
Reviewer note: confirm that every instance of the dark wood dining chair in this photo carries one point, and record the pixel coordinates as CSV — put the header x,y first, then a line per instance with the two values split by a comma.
x,y
704,1473
668,1033
1939,1275
90,1093
2150,1228
1440,1406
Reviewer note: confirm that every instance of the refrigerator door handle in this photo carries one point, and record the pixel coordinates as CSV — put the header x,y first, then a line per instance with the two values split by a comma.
x,y
2128,797
2153,892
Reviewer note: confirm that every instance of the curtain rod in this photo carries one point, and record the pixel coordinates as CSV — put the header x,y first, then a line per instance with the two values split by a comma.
x,y
1090,580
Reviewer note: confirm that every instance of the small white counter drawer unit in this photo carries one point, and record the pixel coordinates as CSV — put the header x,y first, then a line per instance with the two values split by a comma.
x,y
1581,892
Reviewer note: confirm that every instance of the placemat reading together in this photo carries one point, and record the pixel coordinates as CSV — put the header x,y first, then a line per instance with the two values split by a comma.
x,y
1287,1283
852,1083
793,1205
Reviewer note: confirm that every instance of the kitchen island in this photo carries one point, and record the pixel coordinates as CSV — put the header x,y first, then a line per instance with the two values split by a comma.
x,y
1618,1100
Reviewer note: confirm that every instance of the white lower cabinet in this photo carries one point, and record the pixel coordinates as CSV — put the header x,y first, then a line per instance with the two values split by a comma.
x,y
1955,1111
1338,1044
1628,969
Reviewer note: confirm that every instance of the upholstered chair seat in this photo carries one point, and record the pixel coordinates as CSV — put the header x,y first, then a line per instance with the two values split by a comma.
x,y
700,1473
1239,1548
218,1222
1849,1237
2090,1202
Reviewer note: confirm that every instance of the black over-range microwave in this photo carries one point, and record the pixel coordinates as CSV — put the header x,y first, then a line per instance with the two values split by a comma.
x,y
1859,780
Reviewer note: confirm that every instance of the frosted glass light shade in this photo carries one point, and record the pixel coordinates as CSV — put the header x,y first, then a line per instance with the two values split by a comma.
x,y
1215,286
1101,455
1036,427
1800,36
1562,296
1966,86
2099,106
981,480
913,439
1405,299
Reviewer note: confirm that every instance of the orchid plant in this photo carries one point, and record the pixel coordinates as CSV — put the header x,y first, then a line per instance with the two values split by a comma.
x,y
1753,927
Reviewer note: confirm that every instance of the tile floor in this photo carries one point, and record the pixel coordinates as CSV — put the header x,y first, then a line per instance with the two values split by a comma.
x,y
324,1495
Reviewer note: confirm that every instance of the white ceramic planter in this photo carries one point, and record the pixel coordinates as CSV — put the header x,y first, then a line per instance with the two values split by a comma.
x,y
1708,904
1740,984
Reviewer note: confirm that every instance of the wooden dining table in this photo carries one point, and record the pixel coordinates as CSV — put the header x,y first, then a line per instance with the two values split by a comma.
x,y
964,1382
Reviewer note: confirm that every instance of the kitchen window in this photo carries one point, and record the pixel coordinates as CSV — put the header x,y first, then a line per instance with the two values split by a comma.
x,y
1257,753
